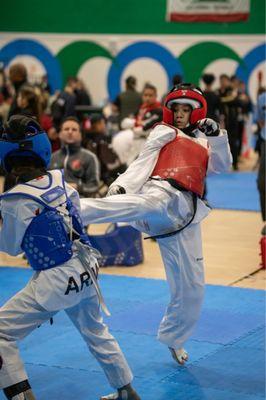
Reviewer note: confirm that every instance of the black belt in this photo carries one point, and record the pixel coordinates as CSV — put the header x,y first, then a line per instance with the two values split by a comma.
x,y
194,200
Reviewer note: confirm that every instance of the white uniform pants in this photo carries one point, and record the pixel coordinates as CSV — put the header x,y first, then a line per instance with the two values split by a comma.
x,y
156,212
22,314
183,262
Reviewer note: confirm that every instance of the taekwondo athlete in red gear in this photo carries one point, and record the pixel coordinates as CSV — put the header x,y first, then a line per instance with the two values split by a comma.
x,y
169,207
41,217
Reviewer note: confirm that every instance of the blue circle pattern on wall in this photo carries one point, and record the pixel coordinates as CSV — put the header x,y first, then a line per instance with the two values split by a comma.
x,y
132,52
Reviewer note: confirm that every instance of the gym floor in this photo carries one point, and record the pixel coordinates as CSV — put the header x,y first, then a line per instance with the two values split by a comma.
x,y
226,350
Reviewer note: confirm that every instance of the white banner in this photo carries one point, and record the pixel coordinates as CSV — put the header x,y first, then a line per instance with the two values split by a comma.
x,y
207,11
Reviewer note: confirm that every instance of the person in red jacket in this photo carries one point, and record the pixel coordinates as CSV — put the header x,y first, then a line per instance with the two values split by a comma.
x,y
150,111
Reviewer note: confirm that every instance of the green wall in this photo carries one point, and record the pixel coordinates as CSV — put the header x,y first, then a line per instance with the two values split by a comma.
x,y
114,17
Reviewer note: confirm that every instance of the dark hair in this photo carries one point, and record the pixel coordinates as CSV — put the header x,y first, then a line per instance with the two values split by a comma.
x,y
96,117
224,76
177,79
261,90
70,118
34,106
18,72
208,79
131,82
150,87
186,86
23,163
71,79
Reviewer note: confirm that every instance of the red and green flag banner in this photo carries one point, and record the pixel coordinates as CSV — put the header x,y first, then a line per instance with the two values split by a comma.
x,y
207,10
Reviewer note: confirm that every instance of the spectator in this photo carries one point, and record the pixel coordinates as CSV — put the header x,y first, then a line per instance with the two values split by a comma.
x,y
82,94
95,133
176,80
229,110
4,98
122,142
244,109
97,141
64,105
150,111
29,102
112,120
81,166
18,77
44,84
212,98
261,119
129,101
47,125
149,114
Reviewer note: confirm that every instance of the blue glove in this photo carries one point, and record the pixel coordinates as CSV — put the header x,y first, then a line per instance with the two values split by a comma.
x,y
209,127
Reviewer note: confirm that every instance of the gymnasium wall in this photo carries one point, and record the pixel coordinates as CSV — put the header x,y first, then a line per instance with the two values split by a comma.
x,y
104,41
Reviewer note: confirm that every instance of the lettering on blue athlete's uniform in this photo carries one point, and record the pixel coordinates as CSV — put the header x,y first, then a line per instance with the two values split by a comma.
x,y
72,285
85,280
53,194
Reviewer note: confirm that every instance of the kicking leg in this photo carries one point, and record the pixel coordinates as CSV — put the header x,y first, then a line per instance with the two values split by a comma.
x,y
121,208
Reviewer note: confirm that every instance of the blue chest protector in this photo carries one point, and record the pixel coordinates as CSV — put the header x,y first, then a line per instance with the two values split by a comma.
x,y
48,240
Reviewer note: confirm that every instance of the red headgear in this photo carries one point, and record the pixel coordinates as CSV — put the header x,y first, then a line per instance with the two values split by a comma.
x,y
185,94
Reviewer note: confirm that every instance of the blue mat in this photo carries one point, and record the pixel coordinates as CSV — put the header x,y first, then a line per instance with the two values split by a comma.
x,y
233,191
226,350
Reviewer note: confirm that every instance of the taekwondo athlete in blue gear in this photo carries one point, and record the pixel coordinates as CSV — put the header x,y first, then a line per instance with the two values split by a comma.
x,y
40,216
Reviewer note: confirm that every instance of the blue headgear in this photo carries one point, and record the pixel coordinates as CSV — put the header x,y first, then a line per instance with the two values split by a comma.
x,y
22,136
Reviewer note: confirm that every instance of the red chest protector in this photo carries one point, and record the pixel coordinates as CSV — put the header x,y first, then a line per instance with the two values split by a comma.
x,y
185,161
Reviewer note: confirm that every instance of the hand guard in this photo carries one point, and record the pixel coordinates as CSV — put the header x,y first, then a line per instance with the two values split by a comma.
x,y
115,190
209,127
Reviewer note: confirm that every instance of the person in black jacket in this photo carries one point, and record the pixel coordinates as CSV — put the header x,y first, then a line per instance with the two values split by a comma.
x,y
128,101
212,98
65,103
229,112
81,166
97,141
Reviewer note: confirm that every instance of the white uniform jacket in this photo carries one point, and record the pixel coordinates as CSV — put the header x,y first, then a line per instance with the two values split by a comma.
x,y
136,178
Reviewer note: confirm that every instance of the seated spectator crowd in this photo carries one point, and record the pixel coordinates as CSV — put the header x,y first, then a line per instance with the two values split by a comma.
x,y
94,144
